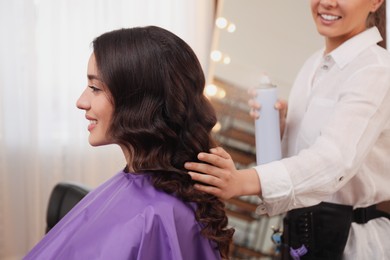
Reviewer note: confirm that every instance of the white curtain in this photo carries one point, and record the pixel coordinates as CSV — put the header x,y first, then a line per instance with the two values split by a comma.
x,y
44,49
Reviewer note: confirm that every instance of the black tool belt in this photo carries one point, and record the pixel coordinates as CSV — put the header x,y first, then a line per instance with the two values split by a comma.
x,y
321,231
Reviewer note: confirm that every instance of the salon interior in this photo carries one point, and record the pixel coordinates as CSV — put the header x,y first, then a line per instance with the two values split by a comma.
x,y
44,49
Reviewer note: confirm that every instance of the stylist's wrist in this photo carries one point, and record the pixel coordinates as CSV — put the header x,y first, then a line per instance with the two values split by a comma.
x,y
249,183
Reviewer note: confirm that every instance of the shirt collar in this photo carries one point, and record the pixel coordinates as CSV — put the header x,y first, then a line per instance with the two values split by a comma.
x,y
347,51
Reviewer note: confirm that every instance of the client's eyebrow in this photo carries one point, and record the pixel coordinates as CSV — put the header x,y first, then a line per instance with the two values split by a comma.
x,y
91,77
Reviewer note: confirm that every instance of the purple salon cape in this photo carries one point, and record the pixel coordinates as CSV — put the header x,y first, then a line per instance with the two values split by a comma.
x,y
127,218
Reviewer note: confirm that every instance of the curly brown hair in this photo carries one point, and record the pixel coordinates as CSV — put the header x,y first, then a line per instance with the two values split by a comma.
x,y
161,115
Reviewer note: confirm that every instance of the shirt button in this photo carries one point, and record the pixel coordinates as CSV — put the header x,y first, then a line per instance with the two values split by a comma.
x,y
261,210
341,178
325,67
327,58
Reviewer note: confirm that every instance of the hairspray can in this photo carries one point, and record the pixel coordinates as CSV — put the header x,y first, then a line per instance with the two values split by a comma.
x,y
267,129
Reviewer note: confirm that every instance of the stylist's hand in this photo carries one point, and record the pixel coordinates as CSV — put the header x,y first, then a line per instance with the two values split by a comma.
x,y
280,105
221,177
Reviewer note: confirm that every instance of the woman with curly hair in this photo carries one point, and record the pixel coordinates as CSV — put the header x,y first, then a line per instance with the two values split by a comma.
x,y
145,93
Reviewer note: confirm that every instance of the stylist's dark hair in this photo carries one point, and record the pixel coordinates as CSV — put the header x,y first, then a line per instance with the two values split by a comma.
x,y
161,114
378,19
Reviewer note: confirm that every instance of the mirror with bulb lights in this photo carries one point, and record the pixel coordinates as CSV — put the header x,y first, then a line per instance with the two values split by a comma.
x,y
253,38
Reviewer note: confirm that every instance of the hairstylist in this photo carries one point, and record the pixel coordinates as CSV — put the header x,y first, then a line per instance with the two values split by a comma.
x,y
336,143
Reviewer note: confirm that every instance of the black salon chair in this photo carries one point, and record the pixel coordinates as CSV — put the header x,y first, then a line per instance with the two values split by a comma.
x,y
63,198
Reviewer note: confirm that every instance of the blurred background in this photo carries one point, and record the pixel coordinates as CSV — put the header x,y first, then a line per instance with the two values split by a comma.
x,y
44,49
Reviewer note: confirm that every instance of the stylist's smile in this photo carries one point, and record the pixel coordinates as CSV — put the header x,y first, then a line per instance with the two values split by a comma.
x,y
329,17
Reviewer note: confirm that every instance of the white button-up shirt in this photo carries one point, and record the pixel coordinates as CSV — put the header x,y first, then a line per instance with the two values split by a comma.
x,y
337,141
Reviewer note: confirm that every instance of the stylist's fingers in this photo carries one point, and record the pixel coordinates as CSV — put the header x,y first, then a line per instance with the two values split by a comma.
x,y
211,185
217,160
205,178
254,114
211,190
254,108
224,161
202,168
281,105
252,92
254,104
220,152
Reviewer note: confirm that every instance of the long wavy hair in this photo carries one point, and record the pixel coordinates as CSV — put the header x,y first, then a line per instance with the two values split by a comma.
x,y
161,115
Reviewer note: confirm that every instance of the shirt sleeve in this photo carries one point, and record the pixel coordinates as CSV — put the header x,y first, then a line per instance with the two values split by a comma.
x,y
359,116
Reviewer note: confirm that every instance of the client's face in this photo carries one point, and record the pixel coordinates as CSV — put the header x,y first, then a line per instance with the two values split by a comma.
x,y
95,100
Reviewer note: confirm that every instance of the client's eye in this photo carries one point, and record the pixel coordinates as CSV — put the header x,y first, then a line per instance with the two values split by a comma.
x,y
94,89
